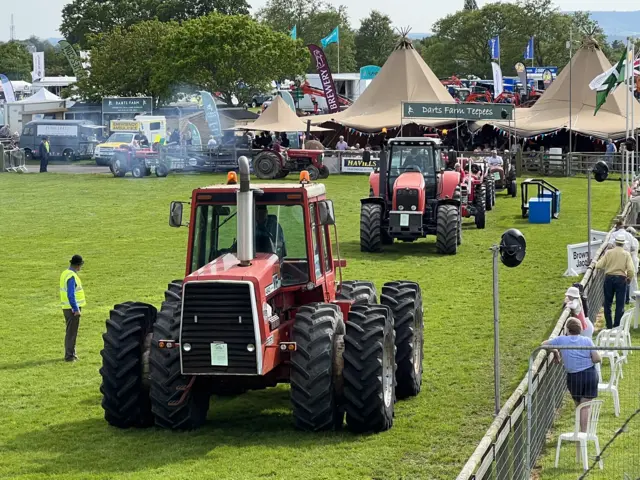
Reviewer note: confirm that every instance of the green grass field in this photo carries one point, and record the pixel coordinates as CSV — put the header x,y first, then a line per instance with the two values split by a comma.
x,y
52,424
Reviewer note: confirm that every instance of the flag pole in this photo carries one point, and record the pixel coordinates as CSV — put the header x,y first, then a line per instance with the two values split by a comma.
x,y
338,51
570,98
626,150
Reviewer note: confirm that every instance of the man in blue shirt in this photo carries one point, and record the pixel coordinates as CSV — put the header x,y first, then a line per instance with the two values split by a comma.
x,y
610,149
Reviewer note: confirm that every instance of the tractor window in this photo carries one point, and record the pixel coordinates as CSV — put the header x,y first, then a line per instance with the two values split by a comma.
x,y
415,158
314,235
326,239
214,234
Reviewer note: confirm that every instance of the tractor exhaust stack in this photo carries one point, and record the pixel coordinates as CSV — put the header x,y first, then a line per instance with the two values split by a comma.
x,y
245,215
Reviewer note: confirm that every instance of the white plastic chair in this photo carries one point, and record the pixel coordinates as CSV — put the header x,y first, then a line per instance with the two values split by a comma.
x,y
612,385
583,438
608,338
636,309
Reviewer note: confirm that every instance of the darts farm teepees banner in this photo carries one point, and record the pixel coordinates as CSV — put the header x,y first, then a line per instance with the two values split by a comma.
x,y
320,60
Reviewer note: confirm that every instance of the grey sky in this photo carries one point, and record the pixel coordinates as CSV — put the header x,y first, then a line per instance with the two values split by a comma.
x,y
42,17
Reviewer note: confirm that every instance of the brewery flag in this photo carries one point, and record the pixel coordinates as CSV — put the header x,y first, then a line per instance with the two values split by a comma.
x,y
324,72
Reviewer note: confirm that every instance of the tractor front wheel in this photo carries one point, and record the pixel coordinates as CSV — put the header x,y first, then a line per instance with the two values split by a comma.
x,y
266,165
371,227
514,188
177,401
488,196
404,298
359,291
125,365
314,172
447,229
119,165
480,206
314,390
324,172
162,170
369,369
138,170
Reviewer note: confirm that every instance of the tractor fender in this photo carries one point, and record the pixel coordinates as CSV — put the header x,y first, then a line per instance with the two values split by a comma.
x,y
375,200
374,183
410,181
448,186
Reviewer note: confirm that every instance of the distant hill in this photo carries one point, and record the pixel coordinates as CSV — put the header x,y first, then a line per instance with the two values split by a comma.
x,y
418,36
618,25
54,41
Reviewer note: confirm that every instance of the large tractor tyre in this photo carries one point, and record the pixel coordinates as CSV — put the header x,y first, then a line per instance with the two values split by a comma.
x,y
404,298
447,229
282,174
314,172
371,227
314,392
514,188
480,218
266,165
178,402
125,365
324,172
369,369
119,165
459,234
360,291
480,206
162,170
139,169
488,201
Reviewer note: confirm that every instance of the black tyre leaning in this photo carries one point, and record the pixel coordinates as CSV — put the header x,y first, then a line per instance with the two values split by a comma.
x,y
371,227
313,392
447,229
369,369
404,298
360,291
124,371
177,401
266,165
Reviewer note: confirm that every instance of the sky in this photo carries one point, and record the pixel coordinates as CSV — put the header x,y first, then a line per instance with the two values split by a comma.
x,y
42,17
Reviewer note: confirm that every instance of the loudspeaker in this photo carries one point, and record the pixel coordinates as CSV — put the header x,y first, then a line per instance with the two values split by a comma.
x,y
513,247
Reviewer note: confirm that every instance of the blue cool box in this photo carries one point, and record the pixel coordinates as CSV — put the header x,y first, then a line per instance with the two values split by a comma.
x,y
539,210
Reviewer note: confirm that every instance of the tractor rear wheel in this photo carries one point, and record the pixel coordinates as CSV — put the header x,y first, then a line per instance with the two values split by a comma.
x,y
369,368
488,196
360,291
447,229
162,170
314,172
313,381
514,188
371,227
404,298
119,165
125,365
324,172
138,170
283,173
480,206
266,165
178,402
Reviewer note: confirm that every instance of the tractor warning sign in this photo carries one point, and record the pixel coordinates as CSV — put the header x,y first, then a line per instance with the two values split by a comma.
x,y
359,163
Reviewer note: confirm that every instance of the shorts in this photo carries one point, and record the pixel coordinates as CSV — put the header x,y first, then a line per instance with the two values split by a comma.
x,y
583,384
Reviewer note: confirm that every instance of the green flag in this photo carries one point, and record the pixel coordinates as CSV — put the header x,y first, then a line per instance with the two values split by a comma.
x,y
73,58
606,82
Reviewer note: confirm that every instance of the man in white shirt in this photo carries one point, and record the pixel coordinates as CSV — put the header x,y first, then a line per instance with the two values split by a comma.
x,y
620,230
633,249
212,144
494,160
342,145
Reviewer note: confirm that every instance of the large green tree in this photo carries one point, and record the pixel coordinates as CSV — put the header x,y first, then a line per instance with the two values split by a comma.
x,y
470,5
375,40
55,63
314,20
81,18
15,61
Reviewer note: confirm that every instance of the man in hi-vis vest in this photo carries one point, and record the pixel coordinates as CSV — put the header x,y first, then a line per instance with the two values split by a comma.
x,y
71,300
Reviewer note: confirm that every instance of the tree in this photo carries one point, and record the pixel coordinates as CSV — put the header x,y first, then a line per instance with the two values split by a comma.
x,y
55,63
15,61
470,5
314,20
81,18
374,40
233,55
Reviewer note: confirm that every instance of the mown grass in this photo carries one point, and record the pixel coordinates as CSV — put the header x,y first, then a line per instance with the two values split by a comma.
x,y
52,425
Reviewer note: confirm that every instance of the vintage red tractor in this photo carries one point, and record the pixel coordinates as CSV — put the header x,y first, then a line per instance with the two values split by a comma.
x,y
473,191
504,176
278,162
260,305
412,196
139,161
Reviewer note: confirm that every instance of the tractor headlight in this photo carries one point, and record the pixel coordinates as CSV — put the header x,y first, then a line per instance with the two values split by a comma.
x,y
251,347
186,347
413,207
400,207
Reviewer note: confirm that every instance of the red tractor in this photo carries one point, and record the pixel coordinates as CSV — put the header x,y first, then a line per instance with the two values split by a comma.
x,y
260,305
139,161
412,196
504,176
473,191
278,162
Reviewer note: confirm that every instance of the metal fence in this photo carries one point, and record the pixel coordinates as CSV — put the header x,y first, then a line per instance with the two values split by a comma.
x,y
513,442
12,160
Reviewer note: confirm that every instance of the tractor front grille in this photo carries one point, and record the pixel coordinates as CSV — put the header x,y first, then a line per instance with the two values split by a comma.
x,y
218,313
407,198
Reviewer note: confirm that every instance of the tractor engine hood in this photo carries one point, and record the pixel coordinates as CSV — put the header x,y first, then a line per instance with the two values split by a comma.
x,y
263,271
409,180
409,192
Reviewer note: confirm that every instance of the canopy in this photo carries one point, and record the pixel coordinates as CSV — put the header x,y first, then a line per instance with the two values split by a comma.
x,y
42,95
551,112
405,77
278,117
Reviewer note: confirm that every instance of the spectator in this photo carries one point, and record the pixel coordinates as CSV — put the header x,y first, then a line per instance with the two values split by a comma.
x,y
187,136
175,137
633,287
622,229
573,301
212,144
342,145
494,160
618,271
43,152
582,378
610,152
284,140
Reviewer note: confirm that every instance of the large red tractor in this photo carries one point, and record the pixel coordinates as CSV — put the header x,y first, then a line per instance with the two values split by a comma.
x,y
260,305
278,162
411,196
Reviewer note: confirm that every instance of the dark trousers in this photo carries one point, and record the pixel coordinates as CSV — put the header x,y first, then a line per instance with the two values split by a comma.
x,y
43,164
614,285
71,334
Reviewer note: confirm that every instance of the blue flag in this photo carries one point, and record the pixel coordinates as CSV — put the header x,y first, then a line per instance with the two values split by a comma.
x,y
528,51
494,47
211,114
333,37
294,32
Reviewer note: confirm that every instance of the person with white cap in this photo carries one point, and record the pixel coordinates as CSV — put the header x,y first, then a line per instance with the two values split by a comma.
x,y
618,271
573,301
633,286
620,228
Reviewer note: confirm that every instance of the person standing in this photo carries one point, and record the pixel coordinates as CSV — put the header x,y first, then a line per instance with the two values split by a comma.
x,y
634,244
618,271
72,300
342,145
573,301
610,152
43,151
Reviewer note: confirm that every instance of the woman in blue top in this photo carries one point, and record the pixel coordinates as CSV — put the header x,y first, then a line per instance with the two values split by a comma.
x,y
582,378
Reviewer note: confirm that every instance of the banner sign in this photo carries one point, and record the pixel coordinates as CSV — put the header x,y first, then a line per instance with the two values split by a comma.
x,y
356,163
598,236
38,66
577,258
124,126
288,99
57,130
322,66
211,115
498,87
73,58
7,88
127,105
459,111
540,70
369,72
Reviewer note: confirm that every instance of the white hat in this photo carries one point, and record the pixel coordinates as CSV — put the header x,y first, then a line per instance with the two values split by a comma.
x,y
572,292
632,231
620,238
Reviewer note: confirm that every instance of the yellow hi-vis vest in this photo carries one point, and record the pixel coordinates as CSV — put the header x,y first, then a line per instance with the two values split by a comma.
x,y
79,293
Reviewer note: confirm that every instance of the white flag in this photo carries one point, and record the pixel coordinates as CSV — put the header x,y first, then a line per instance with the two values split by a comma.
x,y
497,79
38,66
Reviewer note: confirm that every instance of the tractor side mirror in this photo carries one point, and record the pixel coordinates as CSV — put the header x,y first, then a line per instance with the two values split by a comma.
x,y
325,210
175,214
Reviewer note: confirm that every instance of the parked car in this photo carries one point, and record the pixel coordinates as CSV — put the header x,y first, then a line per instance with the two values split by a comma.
x,y
259,99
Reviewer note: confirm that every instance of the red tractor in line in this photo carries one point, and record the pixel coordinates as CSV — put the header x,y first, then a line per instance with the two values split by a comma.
x,y
473,191
277,162
411,196
139,161
260,305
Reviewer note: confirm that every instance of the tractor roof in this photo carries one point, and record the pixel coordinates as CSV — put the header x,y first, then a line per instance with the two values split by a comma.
x,y
312,189
434,140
